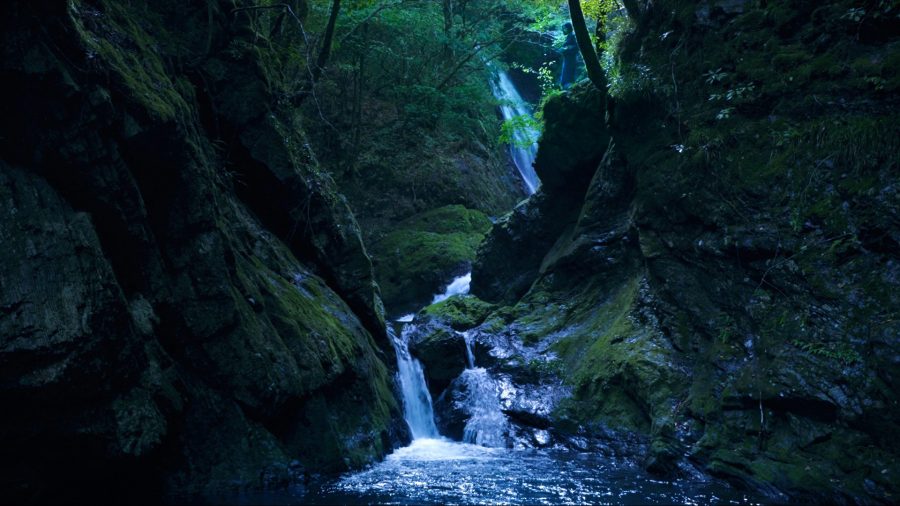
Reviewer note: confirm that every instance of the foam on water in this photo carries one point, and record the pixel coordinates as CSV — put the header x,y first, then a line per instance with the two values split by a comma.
x,y
458,286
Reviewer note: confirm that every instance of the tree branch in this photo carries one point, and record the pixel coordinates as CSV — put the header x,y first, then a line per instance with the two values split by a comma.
x,y
477,49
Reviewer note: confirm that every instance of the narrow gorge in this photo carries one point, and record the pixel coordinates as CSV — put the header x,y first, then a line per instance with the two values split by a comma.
x,y
398,252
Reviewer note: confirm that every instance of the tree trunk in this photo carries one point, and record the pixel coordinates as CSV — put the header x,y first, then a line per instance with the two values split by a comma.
x,y
325,52
448,16
591,62
448,27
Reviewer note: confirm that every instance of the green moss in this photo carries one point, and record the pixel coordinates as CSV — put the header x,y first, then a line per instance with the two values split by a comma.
x,y
414,261
113,35
460,311
588,351
454,219
618,368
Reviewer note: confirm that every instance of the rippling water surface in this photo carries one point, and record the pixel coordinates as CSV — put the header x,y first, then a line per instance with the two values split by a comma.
x,y
435,471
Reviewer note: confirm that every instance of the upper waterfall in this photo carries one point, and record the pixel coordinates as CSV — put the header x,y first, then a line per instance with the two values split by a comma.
x,y
524,150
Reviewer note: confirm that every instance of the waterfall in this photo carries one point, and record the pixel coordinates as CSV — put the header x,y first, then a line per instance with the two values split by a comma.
x,y
417,407
467,337
458,286
512,105
487,424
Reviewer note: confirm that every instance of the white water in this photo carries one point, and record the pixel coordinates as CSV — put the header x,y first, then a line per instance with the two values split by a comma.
x,y
487,425
511,106
417,404
417,408
427,449
458,286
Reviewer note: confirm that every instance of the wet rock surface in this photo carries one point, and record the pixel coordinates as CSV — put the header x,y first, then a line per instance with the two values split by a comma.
x,y
707,281
705,317
177,315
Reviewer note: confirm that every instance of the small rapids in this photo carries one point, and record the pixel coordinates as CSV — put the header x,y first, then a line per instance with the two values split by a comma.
x,y
487,425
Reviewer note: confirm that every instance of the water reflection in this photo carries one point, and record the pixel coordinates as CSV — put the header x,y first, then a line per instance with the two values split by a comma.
x,y
436,471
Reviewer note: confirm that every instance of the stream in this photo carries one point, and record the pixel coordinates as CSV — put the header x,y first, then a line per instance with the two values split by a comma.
x,y
481,469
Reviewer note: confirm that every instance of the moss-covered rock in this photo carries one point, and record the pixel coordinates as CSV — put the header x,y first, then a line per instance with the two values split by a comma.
x,y
460,312
424,252
438,339
442,352
717,290
187,304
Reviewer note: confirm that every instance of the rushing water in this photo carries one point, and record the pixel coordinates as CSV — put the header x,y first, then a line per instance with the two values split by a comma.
x,y
481,470
458,286
417,403
524,150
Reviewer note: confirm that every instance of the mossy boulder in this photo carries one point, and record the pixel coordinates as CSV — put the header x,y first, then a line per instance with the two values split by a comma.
x,y
442,352
425,252
460,312
438,340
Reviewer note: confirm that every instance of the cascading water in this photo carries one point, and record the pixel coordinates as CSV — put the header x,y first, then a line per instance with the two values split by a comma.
x,y
481,470
470,356
524,150
458,286
487,424
417,405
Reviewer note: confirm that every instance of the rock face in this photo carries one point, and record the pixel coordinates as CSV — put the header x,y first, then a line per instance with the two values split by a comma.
x,y
186,304
723,295
565,163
